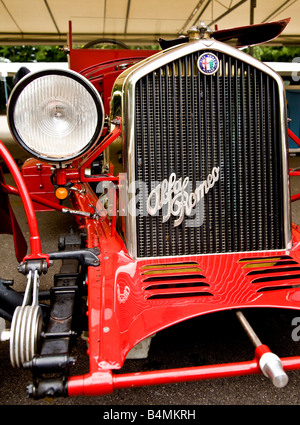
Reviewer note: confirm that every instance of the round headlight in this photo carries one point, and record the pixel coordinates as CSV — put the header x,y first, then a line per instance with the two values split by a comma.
x,y
55,115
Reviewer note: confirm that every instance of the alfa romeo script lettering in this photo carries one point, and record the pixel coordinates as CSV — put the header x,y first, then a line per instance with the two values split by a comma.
x,y
172,197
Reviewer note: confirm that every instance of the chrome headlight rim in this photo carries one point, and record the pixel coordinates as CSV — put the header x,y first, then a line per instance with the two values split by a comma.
x,y
29,78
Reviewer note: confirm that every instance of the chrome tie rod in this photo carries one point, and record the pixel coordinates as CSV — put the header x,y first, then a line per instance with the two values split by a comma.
x,y
269,363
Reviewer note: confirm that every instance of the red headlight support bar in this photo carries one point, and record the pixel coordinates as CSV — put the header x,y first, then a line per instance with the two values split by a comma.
x,y
94,154
35,241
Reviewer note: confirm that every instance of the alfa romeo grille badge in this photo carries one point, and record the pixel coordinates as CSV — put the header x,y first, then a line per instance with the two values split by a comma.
x,y
208,63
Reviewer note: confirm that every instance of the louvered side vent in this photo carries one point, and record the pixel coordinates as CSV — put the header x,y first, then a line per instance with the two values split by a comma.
x,y
189,123
178,280
272,274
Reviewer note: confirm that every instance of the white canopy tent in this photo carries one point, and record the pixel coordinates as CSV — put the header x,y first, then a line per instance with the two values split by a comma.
x,y
135,21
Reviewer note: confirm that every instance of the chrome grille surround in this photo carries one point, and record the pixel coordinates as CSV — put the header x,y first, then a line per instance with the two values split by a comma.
x,y
124,105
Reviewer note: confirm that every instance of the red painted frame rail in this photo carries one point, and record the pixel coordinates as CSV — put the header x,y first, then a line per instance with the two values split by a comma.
x,y
104,382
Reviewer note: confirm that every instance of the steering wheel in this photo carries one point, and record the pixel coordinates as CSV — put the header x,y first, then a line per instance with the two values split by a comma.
x,y
106,41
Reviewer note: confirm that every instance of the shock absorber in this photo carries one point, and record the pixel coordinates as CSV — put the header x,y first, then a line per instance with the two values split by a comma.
x,y
270,364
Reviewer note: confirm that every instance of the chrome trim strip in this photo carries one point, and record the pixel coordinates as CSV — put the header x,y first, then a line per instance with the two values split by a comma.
x,y
124,93
277,253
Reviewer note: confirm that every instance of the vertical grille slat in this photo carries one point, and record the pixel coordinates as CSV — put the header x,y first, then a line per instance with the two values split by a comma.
x,y
257,162
269,165
187,123
245,181
221,243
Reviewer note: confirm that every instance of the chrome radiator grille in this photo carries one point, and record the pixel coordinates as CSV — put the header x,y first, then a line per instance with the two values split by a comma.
x,y
187,123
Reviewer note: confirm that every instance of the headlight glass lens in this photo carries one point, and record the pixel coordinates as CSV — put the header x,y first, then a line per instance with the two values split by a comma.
x,y
55,116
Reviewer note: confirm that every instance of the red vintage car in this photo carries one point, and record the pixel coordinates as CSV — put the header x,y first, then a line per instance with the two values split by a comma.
x,y
174,165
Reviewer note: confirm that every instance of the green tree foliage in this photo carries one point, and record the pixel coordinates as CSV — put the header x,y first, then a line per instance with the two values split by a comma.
x,y
276,54
33,53
55,54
